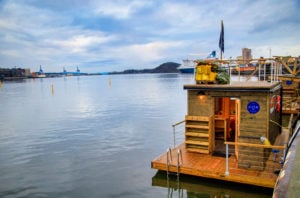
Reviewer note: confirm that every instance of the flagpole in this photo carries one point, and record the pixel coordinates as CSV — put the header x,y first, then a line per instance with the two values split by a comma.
x,y
221,41
220,54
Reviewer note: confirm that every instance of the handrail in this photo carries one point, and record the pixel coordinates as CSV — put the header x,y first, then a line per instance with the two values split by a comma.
x,y
169,152
179,154
174,131
255,145
178,123
249,145
227,167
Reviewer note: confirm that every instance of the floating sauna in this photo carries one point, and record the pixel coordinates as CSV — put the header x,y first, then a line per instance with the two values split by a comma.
x,y
241,112
233,130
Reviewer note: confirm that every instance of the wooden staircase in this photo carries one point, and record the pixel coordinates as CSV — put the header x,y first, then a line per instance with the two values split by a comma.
x,y
199,134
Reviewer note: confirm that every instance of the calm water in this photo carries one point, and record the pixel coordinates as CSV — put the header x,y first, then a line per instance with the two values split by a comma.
x,y
95,136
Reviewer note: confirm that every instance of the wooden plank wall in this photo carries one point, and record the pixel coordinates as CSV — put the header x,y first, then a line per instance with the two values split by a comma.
x,y
200,112
255,125
252,126
200,105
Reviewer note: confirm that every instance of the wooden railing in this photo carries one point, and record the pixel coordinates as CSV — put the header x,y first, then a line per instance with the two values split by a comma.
x,y
275,150
256,145
174,131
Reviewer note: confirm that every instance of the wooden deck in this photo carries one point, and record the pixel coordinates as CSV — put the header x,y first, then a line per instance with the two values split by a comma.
x,y
209,166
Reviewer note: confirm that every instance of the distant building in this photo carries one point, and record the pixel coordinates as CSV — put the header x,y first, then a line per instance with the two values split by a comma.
x,y
27,72
12,72
247,55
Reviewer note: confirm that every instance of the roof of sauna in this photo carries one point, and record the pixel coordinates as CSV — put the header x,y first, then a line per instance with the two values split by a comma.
x,y
261,86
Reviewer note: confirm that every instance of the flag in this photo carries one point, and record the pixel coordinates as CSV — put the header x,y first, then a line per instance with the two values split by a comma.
x,y
221,41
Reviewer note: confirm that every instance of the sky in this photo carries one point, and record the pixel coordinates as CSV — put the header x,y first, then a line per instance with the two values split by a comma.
x,y
115,35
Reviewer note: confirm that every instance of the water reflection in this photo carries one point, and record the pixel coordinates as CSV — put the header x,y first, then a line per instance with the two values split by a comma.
x,y
95,137
190,186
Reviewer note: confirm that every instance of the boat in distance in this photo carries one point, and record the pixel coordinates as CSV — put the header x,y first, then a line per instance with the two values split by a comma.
x,y
187,66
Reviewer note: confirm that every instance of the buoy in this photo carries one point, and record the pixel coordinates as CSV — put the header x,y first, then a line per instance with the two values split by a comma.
x,y
109,82
52,89
265,141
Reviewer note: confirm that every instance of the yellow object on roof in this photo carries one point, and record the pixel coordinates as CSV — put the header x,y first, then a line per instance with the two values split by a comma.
x,y
204,73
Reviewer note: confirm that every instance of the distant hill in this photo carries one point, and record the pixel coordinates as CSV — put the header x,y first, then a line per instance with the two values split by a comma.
x,y
168,67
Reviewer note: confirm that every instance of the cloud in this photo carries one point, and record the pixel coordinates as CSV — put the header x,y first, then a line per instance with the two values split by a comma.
x,y
118,9
115,35
81,42
143,53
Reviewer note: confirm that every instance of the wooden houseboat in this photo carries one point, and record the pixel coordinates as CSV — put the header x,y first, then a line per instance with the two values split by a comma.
x,y
291,94
233,132
290,84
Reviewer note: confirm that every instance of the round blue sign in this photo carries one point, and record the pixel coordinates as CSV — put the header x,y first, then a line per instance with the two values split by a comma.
x,y
253,107
288,82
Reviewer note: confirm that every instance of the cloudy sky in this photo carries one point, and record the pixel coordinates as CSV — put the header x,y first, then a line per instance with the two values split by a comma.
x,y
102,35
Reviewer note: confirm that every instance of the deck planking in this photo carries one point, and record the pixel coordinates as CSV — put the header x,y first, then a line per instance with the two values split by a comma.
x,y
209,166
